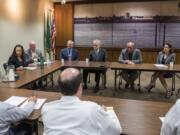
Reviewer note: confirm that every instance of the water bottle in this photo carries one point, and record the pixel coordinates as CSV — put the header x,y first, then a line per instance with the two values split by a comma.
x,y
11,74
42,62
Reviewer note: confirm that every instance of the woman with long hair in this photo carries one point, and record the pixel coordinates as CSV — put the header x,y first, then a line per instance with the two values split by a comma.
x,y
18,58
165,57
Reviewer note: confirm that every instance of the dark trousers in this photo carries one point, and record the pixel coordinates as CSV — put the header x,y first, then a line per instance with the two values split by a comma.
x,y
130,76
97,75
21,129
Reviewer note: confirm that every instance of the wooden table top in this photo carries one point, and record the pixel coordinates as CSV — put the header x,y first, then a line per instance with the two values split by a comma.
x,y
143,67
83,64
136,117
28,76
5,93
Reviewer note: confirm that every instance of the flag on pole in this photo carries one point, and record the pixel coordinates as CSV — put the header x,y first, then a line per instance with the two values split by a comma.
x,y
53,35
50,33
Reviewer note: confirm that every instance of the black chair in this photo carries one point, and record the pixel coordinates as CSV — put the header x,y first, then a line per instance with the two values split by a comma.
x,y
171,75
103,78
120,80
5,65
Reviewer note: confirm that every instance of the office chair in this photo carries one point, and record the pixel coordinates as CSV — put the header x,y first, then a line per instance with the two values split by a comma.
x,y
102,76
120,80
5,65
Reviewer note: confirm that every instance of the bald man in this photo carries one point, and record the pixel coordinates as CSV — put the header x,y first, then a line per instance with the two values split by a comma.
x,y
69,53
33,53
72,116
130,55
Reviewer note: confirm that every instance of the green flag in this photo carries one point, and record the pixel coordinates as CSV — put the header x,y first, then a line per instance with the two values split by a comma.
x,y
48,32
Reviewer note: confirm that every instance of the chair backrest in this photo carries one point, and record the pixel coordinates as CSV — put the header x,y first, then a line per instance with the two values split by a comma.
x,y
5,65
177,132
168,75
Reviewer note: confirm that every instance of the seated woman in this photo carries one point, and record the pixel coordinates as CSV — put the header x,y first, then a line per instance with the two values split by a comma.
x,y
18,58
165,57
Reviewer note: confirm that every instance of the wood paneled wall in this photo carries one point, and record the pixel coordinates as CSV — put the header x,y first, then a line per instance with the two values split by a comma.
x,y
64,15
64,23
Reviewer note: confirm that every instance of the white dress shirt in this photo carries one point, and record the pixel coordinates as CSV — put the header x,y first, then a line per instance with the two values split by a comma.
x,y
171,123
71,116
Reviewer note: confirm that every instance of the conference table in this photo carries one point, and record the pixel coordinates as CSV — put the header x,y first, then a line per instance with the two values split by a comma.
x,y
136,117
27,77
87,65
116,66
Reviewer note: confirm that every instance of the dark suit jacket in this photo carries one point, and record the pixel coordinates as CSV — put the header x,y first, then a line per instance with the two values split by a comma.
x,y
64,54
100,56
136,56
170,58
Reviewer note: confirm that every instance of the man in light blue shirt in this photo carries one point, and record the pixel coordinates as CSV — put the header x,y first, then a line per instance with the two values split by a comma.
x,y
10,114
72,116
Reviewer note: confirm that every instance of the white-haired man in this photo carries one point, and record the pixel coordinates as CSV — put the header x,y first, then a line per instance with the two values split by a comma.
x,y
33,53
97,54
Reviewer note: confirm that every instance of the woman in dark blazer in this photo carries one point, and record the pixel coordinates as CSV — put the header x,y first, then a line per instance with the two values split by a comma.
x,y
18,58
165,57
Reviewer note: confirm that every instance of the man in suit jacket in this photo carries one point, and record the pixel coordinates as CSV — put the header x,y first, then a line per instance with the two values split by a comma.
x,y
72,116
69,53
33,53
10,114
130,55
97,54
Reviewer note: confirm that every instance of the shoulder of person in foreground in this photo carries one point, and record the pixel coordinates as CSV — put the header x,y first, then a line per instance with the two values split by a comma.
x,y
48,105
108,124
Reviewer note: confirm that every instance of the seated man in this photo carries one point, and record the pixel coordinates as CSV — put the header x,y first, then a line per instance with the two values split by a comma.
x,y
97,54
171,123
130,55
69,53
72,116
10,114
33,53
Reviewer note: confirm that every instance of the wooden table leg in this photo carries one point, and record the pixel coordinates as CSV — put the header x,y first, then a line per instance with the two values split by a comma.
x,y
115,81
139,82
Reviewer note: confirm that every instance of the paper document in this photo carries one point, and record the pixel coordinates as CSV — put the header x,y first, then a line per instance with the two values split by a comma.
x,y
162,119
15,100
47,62
30,68
160,65
111,112
38,104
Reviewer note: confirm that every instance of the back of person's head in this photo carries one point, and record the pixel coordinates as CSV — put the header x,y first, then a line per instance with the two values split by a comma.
x,y
14,51
70,81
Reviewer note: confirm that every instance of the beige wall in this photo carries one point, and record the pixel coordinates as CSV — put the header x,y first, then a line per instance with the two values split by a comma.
x,y
21,21
134,8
